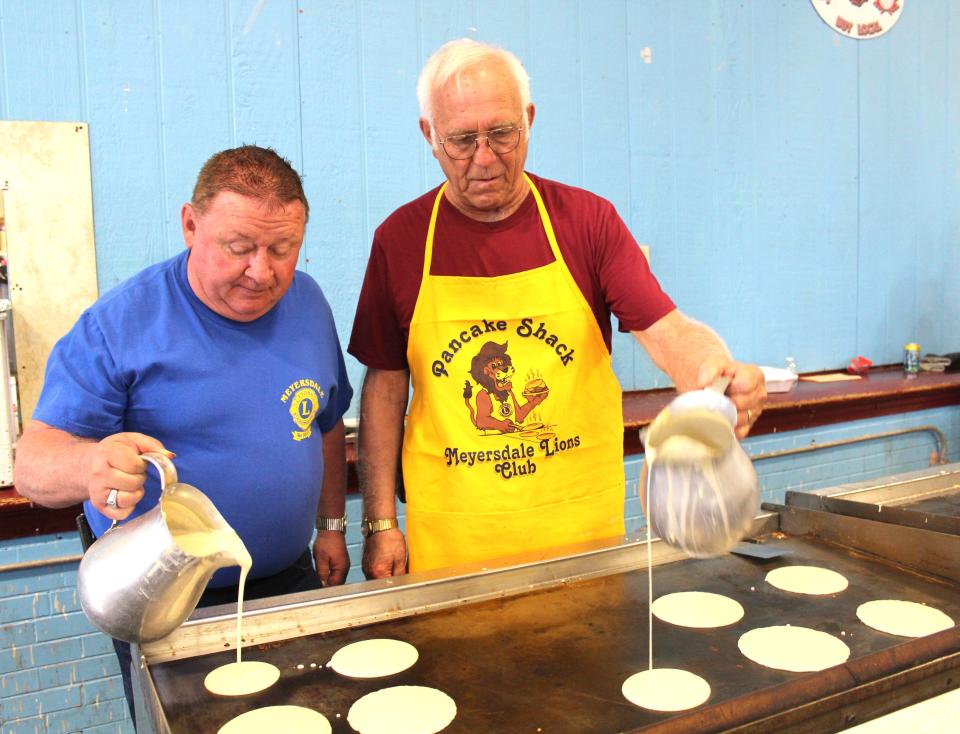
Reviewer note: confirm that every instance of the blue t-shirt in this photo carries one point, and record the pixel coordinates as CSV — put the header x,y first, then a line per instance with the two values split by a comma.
x,y
243,405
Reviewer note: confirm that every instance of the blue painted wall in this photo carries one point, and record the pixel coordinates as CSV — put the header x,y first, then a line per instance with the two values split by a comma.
x,y
800,192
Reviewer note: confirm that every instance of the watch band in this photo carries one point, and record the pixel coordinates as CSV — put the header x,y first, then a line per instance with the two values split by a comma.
x,y
338,524
369,527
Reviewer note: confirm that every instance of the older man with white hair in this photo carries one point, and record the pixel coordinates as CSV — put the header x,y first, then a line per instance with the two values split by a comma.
x,y
493,294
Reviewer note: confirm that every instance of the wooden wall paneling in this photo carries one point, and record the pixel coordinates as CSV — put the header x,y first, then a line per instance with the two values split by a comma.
x,y
125,117
950,325
889,183
264,68
437,23
518,27
650,54
605,129
937,245
4,86
196,99
393,146
42,44
733,239
554,63
332,120
49,233
803,91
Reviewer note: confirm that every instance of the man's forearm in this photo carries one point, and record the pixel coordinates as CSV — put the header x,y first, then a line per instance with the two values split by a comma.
x,y
383,405
52,467
679,346
333,492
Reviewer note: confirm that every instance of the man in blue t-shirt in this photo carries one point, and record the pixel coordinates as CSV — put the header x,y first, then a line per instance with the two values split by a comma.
x,y
225,356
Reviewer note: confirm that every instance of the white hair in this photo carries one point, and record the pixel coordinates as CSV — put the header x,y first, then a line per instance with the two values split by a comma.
x,y
454,58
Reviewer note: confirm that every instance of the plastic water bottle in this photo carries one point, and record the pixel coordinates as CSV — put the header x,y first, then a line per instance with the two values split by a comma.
x,y
791,365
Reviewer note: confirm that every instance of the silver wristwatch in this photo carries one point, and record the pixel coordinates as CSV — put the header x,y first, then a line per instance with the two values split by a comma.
x,y
338,524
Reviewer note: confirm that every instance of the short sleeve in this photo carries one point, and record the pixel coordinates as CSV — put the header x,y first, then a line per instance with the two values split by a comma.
x,y
342,393
83,392
378,340
630,288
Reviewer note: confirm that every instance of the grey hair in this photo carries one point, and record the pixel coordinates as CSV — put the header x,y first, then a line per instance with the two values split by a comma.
x,y
455,57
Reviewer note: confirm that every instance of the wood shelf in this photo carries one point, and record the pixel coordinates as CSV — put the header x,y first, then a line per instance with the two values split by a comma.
x,y
884,391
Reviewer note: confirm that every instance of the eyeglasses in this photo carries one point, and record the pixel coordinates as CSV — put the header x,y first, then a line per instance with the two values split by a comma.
x,y
500,140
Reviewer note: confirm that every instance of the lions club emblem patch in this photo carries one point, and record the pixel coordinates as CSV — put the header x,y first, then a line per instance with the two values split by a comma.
x,y
303,400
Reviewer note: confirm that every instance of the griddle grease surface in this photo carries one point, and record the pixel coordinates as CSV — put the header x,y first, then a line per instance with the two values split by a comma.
x,y
556,658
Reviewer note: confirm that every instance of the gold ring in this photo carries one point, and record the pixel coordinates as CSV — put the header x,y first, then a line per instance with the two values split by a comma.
x,y
749,416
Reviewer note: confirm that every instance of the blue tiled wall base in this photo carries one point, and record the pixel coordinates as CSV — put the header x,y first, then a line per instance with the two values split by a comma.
x,y
57,673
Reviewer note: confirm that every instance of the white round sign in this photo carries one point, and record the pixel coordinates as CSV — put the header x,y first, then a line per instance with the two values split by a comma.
x,y
860,19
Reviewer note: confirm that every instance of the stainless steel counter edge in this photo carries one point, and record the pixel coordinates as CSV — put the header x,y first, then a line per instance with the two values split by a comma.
x,y
932,481
279,618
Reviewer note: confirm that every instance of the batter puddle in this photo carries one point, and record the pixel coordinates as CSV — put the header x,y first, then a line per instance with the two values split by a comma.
x,y
402,710
807,580
242,677
699,609
286,719
797,649
666,689
904,618
373,658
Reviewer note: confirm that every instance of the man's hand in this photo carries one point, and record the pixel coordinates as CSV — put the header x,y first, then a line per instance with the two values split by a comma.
x,y
747,389
115,463
330,555
385,554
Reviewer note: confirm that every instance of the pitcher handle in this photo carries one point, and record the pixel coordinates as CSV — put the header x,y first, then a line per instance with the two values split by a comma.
x,y
720,384
165,468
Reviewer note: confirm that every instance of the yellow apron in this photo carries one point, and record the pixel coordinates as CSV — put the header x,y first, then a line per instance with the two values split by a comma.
x,y
515,437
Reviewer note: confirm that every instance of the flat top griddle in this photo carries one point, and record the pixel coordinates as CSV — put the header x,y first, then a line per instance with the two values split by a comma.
x,y
553,660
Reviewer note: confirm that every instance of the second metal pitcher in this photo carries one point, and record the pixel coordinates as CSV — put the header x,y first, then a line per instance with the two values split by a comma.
x,y
703,489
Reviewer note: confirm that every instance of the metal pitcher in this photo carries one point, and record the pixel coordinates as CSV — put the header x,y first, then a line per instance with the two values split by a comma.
x,y
135,582
704,496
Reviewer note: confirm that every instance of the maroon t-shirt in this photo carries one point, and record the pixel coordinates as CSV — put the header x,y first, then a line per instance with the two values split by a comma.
x,y
603,257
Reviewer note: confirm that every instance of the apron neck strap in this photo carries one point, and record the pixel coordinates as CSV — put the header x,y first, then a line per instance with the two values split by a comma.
x,y
541,207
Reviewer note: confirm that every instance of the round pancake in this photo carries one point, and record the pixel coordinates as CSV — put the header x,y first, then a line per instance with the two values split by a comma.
x,y
286,719
807,580
904,618
373,658
241,679
402,710
798,649
699,609
666,689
